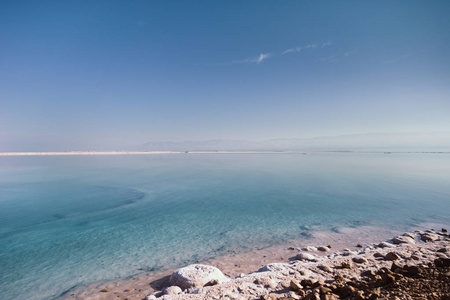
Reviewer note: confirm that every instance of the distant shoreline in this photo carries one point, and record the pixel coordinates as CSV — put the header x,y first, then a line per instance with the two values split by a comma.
x,y
206,152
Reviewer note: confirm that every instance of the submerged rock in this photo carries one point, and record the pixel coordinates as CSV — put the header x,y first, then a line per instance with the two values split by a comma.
x,y
196,275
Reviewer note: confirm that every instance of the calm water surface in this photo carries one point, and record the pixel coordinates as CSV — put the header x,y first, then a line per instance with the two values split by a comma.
x,y
68,221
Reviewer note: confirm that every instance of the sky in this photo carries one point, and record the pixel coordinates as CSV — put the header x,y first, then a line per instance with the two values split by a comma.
x,y
108,74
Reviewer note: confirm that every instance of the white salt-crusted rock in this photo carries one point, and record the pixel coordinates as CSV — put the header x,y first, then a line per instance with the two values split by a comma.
x,y
384,245
309,248
411,235
401,239
172,290
275,267
325,268
429,236
197,275
359,259
305,256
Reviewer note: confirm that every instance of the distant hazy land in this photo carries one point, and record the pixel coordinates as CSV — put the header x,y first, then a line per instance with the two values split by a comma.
x,y
372,142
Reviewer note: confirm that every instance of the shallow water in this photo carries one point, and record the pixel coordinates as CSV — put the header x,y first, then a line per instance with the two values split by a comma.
x,y
68,221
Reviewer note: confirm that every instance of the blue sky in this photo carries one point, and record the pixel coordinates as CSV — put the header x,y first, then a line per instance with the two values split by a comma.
x,y
111,74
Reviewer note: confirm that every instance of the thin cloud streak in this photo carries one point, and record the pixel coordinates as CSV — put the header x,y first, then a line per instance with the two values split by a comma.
x,y
311,46
256,60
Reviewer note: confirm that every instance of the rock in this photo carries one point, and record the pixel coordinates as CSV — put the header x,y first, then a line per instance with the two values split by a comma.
x,y
359,245
339,278
266,282
443,250
412,270
295,285
401,239
359,259
442,262
291,295
324,290
291,248
378,254
325,268
346,265
415,257
429,237
346,291
104,291
311,297
444,230
150,297
411,235
392,256
305,256
384,245
268,297
172,290
306,282
346,250
395,268
323,248
196,275
309,248
368,273
275,267
328,297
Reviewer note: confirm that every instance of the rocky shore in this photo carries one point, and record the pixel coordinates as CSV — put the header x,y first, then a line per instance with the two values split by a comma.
x,y
410,266
341,265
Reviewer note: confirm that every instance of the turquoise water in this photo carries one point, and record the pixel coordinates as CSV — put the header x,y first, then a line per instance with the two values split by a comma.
x,y
69,221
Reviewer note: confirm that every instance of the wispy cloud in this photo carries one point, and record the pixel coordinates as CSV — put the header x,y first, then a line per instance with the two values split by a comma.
x,y
257,60
396,59
264,56
311,46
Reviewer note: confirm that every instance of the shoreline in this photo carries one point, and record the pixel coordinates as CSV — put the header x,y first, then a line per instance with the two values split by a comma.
x,y
304,152
236,265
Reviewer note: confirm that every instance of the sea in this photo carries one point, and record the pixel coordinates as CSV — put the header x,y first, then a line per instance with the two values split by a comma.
x,y
67,221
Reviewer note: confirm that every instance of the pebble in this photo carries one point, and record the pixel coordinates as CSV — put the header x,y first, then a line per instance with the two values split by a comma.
x,y
309,248
346,265
384,245
392,256
359,260
325,268
323,249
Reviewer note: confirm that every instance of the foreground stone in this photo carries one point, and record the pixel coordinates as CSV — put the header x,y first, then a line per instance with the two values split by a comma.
x,y
197,275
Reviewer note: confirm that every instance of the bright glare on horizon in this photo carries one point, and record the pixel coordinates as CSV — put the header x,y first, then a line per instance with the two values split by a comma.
x,y
102,75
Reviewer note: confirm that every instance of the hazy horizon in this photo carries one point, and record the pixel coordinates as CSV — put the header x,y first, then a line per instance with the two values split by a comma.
x,y
115,75
413,142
